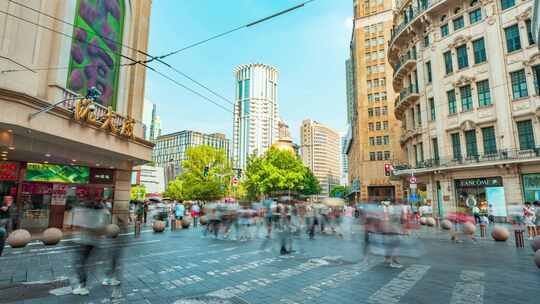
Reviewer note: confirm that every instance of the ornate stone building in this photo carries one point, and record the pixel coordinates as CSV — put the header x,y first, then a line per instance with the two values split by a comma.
x,y
467,74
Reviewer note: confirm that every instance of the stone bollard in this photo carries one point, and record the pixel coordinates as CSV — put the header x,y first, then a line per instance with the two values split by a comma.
x,y
137,228
483,230
173,224
520,241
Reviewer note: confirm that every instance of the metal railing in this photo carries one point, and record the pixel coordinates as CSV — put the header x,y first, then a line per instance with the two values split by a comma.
x,y
468,159
70,100
411,15
411,54
406,92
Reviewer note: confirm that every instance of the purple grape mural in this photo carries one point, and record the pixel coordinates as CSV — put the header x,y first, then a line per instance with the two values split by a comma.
x,y
95,50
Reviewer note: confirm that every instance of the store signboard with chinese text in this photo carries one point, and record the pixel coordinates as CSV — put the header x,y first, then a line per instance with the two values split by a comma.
x,y
101,176
9,171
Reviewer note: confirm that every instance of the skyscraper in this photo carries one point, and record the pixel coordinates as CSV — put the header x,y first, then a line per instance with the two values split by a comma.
x,y
375,131
320,150
255,112
349,78
151,121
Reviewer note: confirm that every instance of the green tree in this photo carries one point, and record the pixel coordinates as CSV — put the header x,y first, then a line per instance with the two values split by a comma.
x,y
138,192
212,185
339,191
175,190
311,185
276,170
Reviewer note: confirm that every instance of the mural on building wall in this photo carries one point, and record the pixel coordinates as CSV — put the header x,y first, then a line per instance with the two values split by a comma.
x,y
95,53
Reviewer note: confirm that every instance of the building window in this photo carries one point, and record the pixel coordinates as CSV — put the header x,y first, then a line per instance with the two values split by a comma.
x,y
526,135
435,143
530,37
432,108
466,98
377,111
379,140
451,95
370,126
506,4
462,58
386,155
479,48
513,42
470,143
378,126
384,110
428,72
456,146
385,125
444,30
415,147
379,155
419,115
459,23
448,62
371,155
519,84
475,15
536,74
426,41
386,140
372,141
484,95
490,143
370,112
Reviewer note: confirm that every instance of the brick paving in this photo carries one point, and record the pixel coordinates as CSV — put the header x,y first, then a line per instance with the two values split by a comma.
x,y
183,267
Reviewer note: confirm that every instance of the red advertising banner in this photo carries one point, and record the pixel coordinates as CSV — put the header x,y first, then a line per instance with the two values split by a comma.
x,y
9,171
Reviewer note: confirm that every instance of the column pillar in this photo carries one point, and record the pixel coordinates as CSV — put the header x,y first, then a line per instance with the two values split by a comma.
x,y
122,195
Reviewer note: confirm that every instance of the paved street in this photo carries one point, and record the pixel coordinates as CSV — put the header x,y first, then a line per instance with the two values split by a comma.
x,y
183,267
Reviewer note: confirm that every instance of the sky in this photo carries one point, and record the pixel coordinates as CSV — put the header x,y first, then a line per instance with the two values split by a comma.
x,y
308,46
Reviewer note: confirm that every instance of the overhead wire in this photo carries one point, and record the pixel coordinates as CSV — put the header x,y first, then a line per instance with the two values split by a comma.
x,y
123,56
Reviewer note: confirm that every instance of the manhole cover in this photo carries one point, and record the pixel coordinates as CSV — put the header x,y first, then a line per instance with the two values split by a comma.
x,y
211,300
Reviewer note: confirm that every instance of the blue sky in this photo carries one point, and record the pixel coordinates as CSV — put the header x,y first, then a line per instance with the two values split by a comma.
x,y
308,46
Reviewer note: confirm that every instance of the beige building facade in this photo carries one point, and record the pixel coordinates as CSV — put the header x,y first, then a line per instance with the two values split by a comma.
x,y
467,73
373,139
320,151
80,149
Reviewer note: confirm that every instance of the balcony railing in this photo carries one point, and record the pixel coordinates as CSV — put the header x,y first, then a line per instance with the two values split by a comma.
x,y
411,54
410,16
499,155
406,92
70,99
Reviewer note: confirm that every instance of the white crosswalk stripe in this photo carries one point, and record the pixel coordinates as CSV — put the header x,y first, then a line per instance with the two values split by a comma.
x,y
470,288
399,286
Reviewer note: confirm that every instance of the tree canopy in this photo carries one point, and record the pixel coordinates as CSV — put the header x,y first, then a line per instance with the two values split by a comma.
x,y
311,184
194,183
138,193
277,170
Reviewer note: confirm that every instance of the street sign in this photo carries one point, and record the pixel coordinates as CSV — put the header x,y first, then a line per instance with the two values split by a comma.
x,y
413,198
412,180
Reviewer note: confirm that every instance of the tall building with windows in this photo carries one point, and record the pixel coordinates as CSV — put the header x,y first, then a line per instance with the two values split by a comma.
x,y
375,132
170,149
344,162
349,86
151,121
320,151
256,114
468,74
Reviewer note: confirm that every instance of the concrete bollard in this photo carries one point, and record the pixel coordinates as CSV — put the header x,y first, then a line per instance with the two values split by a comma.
x,y
483,230
173,224
520,241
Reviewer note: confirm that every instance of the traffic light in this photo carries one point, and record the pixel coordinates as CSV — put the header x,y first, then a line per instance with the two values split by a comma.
x,y
239,173
205,172
387,169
